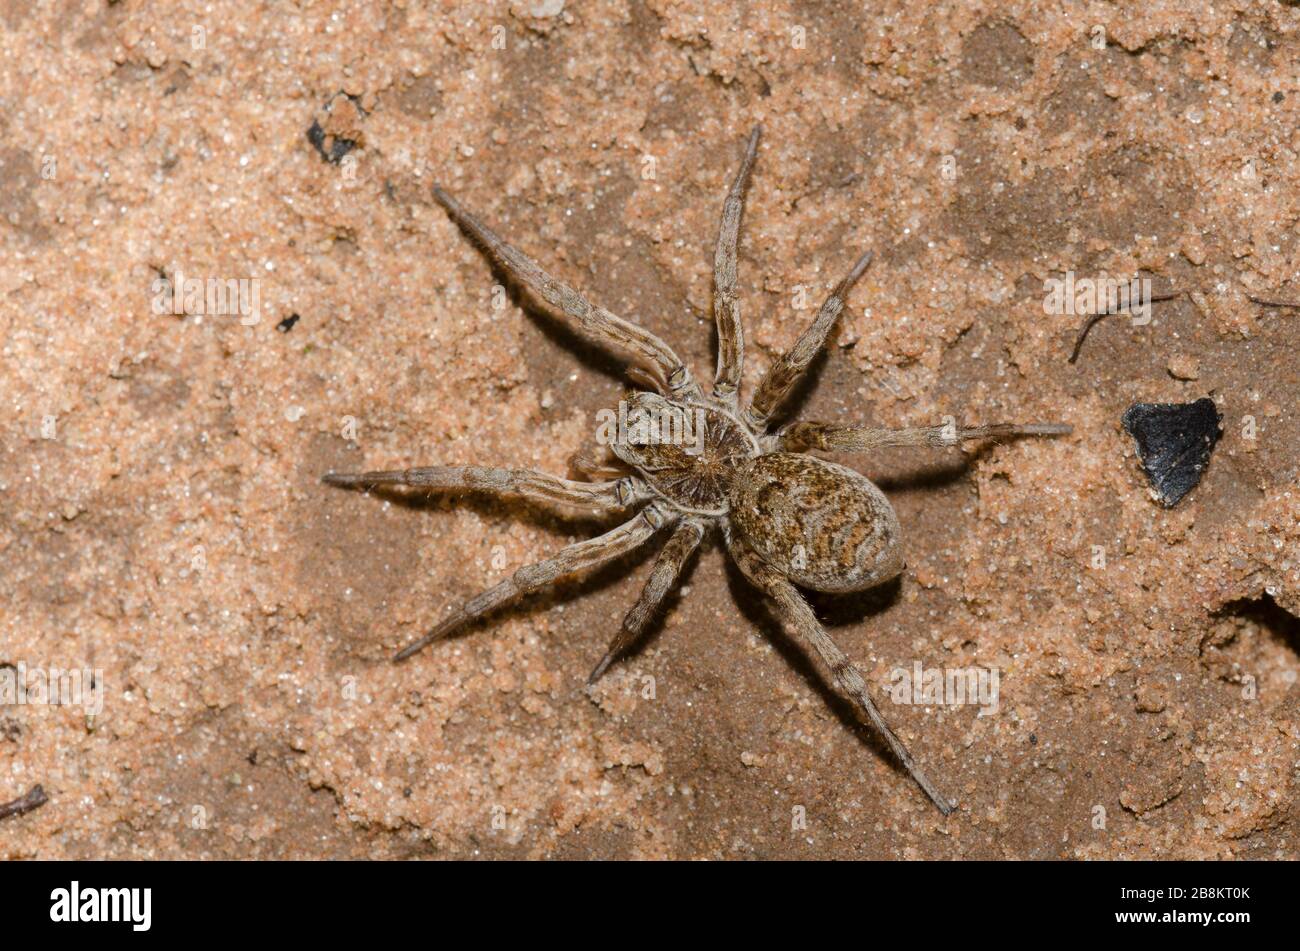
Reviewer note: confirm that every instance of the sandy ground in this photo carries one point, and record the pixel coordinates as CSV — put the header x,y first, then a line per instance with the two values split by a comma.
x,y
162,523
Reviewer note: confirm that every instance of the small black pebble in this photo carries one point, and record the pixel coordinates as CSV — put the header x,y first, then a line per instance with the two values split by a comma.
x,y
1174,441
1279,96
286,325
330,148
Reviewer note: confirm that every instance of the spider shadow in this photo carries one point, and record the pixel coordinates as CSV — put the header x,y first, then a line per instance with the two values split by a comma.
x,y
654,627
939,476
560,592
589,355
835,611
792,407
559,522
483,504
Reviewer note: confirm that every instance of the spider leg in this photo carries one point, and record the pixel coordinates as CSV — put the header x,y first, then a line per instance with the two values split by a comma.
x,y
800,437
726,311
663,578
597,324
800,619
521,483
782,375
568,561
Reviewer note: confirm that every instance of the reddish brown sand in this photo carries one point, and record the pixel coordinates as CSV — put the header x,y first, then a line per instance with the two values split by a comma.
x,y
161,518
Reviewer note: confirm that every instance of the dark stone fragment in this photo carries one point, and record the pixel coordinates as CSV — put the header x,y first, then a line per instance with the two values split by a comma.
x,y
1174,441
286,325
331,148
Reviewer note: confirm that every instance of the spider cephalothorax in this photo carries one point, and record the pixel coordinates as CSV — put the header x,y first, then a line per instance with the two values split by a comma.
x,y
692,461
687,452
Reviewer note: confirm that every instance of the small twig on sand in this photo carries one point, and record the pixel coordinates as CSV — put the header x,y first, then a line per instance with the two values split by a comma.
x,y
1273,303
1083,332
34,799
1123,306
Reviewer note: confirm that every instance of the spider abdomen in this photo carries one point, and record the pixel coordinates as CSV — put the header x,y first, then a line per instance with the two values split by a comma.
x,y
823,525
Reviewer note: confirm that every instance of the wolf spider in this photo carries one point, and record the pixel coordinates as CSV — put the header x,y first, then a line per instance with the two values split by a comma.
x,y
787,518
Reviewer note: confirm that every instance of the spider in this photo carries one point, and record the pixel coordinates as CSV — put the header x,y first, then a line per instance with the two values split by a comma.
x,y
787,518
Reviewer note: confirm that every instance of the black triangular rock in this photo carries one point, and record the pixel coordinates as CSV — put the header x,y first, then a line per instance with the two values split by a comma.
x,y
1174,441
